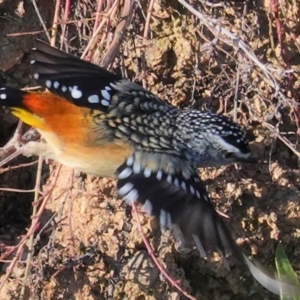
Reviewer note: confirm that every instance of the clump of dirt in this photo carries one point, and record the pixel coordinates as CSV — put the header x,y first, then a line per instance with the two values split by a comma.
x,y
87,244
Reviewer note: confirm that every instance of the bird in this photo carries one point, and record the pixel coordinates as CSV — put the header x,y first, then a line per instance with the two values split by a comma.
x,y
102,124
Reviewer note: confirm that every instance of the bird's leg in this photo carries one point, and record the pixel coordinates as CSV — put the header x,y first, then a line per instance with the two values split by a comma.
x,y
39,149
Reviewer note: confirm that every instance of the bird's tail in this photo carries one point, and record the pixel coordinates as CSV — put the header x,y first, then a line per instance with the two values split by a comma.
x,y
22,105
271,282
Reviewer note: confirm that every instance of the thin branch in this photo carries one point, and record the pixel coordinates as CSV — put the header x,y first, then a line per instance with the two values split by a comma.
x,y
157,263
55,23
125,19
31,239
94,38
41,19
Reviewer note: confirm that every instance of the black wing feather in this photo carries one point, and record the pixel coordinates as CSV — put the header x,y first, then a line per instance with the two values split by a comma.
x,y
51,65
185,200
88,85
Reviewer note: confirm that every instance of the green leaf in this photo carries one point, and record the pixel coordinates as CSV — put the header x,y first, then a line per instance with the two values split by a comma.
x,y
286,272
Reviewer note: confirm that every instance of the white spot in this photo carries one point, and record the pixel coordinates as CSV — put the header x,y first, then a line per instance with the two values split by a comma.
x,y
186,175
76,94
198,194
169,221
93,99
205,198
48,84
199,246
108,88
105,94
132,196
169,178
105,102
147,207
176,182
163,218
32,62
70,89
33,49
159,175
64,88
3,96
125,173
183,185
192,190
147,172
136,168
130,161
36,76
2,89
113,85
56,84
125,189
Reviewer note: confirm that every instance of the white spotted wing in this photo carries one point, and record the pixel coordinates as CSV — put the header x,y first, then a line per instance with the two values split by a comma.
x,y
76,80
178,201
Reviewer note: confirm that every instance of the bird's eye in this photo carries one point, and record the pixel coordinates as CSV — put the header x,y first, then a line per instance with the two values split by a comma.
x,y
229,155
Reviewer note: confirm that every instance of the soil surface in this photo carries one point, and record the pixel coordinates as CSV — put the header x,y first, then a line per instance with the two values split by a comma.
x,y
87,244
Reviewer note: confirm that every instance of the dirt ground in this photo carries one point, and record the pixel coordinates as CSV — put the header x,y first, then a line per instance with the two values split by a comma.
x,y
87,244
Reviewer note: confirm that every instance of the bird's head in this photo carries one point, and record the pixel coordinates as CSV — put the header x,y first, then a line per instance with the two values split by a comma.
x,y
212,140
